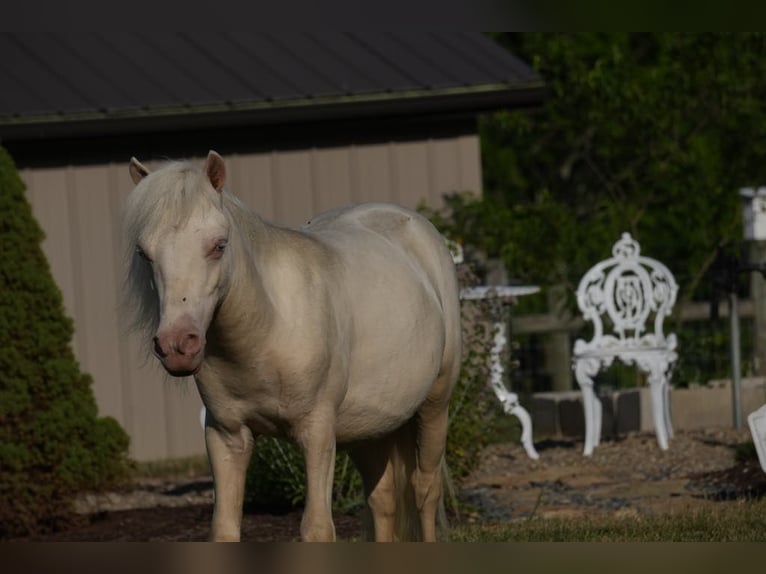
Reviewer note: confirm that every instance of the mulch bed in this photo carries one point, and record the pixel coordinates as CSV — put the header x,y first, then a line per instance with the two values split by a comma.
x,y
745,480
188,524
627,475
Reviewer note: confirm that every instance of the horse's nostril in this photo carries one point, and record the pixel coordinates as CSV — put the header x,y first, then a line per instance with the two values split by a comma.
x,y
191,344
158,348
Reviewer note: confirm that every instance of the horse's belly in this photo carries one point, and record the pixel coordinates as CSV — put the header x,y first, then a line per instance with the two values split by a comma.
x,y
398,352
371,418
363,424
386,388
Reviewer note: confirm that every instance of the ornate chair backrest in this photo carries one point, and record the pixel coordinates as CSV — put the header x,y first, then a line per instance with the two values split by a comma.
x,y
626,289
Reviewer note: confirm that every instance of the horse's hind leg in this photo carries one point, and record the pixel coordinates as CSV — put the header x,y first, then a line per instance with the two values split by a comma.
x,y
432,420
373,459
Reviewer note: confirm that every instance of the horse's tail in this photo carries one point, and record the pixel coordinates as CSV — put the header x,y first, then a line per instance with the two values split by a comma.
x,y
407,518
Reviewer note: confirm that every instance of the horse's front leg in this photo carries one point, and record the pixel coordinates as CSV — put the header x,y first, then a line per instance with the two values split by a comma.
x,y
229,454
317,440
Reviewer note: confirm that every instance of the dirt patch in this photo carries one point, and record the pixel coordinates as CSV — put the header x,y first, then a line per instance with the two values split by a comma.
x,y
624,477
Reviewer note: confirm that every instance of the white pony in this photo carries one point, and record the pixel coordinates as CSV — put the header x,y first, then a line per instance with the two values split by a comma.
x,y
346,331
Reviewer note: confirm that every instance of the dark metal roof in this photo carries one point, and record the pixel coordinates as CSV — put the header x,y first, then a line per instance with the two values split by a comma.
x,y
85,84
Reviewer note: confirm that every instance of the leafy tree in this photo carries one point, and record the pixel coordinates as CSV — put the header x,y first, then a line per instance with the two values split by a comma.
x,y
52,442
650,133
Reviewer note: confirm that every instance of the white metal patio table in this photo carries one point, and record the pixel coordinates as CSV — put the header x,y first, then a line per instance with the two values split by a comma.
x,y
510,400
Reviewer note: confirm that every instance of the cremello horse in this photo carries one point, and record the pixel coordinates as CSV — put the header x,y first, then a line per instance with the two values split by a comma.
x,y
346,331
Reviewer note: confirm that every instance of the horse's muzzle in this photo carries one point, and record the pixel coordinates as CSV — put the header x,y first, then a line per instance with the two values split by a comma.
x,y
181,353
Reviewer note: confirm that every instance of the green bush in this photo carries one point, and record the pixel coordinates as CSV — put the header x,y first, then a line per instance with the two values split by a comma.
x,y
276,478
53,444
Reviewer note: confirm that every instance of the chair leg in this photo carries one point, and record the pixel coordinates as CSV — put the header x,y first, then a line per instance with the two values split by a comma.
x,y
598,411
668,417
585,369
592,411
658,390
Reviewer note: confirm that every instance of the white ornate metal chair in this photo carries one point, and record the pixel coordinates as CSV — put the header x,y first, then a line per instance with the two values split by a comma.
x,y
620,295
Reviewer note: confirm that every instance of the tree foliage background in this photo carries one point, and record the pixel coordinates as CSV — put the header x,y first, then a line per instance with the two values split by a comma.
x,y
651,133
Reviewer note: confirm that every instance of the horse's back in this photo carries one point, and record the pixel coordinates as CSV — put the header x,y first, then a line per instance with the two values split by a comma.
x,y
397,224
385,218
393,226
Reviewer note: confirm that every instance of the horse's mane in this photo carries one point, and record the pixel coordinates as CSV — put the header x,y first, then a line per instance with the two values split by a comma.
x,y
166,197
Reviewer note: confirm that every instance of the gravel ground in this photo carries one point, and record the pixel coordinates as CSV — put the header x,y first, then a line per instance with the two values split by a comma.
x,y
626,476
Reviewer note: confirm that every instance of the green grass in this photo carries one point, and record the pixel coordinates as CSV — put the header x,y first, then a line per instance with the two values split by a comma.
x,y
729,522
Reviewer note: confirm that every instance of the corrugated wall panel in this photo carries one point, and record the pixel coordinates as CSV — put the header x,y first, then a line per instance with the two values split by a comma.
x,y
148,410
444,169
96,313
79,209
47,192
469,154
292,181
332,178
372,178
251,181
182,407
412,170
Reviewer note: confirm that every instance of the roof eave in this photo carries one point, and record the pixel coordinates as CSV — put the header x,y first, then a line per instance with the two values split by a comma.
x,y
461,100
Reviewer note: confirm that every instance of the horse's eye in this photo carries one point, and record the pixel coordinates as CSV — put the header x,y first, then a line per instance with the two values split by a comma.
x,y
218,248
142,253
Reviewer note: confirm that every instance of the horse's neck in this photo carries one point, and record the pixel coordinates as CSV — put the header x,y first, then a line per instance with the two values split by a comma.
x,y
248,304
246,308
266,246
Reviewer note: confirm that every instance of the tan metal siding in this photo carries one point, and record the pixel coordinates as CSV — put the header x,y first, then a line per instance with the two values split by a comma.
x,y
444,168
79,207
371,173
412,173
251,179
469,159
47,192
293,187
332,178
94,250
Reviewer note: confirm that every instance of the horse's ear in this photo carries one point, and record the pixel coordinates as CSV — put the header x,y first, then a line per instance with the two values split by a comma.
x,y
137,170
215,168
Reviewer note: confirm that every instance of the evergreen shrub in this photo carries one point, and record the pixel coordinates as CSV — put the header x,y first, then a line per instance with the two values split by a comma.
x,y
53,444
